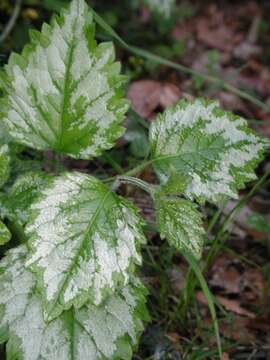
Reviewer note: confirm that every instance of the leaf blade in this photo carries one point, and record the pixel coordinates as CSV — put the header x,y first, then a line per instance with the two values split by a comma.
x,y
84,242
181,224
215,148
64,91
23,193
5,234
96,332
4,164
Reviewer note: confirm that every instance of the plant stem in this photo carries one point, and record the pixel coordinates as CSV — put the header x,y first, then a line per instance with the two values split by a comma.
x,y
12,21
208,295
133,171
150,189
109,159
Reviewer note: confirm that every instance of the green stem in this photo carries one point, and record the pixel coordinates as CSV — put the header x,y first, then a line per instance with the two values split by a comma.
x,y
150,189
208,295
109,159
138,169
229,216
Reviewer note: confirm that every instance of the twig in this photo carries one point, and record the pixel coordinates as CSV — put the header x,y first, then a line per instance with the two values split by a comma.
x,y
12,21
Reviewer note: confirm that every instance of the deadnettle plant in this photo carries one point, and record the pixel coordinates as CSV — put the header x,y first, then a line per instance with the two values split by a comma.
x,y
70,289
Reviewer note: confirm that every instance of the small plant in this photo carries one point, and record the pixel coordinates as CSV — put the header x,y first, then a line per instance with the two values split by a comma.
x,y
70,290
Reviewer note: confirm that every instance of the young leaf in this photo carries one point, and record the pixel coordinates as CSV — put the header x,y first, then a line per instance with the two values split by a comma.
x,y
93,332
216,149
181,224
5,234
84,242
4,164
64,91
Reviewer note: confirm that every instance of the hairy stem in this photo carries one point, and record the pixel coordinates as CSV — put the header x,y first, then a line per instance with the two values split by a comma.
x,y
150,189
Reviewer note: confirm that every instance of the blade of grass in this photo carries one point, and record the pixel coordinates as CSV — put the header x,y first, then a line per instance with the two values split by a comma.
x,y
208,295
162,61
231,214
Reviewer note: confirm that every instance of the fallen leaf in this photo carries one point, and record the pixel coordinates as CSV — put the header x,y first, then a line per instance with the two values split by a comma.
x,y
177,276
144,96
225,356
230,305
217,37
254,285
232,102
169,95
225,275
238,330
235,307
147,95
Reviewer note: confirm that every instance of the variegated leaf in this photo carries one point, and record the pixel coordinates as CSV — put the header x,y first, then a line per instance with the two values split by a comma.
x,y
214,148
4,164
93,332
64,91
5,234
23,193
181,224
84,242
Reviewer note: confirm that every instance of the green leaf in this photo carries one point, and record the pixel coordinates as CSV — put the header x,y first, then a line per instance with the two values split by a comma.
x,y
138,139
23,193
259,222
93,332
181,224
84,242
176,184
55,5
5,234
161,7
4,164
65,92
216,149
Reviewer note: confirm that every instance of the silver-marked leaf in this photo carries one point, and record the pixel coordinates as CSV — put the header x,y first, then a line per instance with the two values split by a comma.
x,y
23,193
84,242
181,224
161,7
214,148
64,91
4,164
93,332
5,234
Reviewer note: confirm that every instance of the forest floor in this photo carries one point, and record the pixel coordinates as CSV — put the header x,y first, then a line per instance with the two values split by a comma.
x,y
228,41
